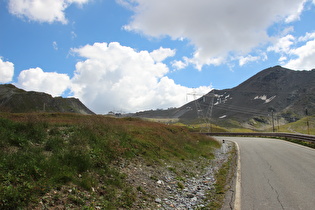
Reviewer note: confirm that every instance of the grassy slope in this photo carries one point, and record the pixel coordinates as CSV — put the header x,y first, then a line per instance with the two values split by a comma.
x,y
305,125
71,158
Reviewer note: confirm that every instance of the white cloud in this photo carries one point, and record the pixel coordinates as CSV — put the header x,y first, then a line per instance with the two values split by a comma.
x,y
42,10
283,44
199,59
6,71
110,77
35,79
179,65
113,76
243,60
79,2
215,28
296,53
162,53
55,45
282,59
295,15
308,36
305,57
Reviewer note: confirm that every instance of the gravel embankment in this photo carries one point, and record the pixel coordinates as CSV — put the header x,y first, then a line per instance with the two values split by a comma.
x,y
175,185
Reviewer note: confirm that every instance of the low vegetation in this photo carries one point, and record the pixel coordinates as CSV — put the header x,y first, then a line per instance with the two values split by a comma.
x,y
224,179
71,160
305,125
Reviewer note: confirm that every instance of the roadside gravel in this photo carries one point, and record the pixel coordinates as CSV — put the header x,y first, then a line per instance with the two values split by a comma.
x,y
173,185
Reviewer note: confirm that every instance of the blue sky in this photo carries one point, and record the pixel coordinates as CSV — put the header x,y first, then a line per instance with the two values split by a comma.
x,y
133,55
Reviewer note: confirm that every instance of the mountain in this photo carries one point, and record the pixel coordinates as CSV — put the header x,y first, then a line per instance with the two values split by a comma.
x,y
13,99
275,93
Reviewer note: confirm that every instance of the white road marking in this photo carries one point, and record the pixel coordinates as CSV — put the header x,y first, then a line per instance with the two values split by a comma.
x,y
237,201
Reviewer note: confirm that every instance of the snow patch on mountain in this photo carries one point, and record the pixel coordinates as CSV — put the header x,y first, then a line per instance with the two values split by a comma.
x,y
264,98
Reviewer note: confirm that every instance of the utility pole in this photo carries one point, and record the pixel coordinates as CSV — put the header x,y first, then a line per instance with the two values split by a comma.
x,y
273,122
198,107
210,114
307,122
204,115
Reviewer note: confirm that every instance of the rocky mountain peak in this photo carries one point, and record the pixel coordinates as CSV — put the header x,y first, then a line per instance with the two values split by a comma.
x,y
277,91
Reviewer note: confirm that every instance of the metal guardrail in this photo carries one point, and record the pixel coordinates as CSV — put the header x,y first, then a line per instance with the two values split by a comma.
x,y
300,137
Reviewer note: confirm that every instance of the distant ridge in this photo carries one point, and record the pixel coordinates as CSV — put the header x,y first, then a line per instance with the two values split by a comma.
x,y
15,100
286,94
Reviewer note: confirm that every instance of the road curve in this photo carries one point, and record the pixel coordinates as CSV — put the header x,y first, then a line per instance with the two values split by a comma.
x,y
275,174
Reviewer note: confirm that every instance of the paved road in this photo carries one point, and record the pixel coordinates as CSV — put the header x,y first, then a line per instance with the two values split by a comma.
x,y
275,174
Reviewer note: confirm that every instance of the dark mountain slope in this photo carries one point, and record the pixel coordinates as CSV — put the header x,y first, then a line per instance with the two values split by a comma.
x,y
277,91
17,100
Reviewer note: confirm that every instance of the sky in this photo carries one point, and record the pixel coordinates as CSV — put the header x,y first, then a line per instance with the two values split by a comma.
x,y
134,55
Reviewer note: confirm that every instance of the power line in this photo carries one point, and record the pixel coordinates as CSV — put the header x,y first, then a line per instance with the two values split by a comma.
x,y
240,109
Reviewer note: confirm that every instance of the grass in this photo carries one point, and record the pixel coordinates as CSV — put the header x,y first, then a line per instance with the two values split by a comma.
x,y
203,127
71,160
223,182
305,125
240,130
163,120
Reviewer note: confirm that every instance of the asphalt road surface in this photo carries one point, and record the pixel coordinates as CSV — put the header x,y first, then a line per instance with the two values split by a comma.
x,y
274,174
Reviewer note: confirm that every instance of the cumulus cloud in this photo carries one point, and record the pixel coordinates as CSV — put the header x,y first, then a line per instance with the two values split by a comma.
x,y
179,64
110,77
6,71
113,76
296,52
162,53
216,28
305,57
42,10
283,44
35,79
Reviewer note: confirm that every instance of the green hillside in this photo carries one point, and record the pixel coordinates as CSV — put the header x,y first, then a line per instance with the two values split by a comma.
x,y
305,125
15,100
74,161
